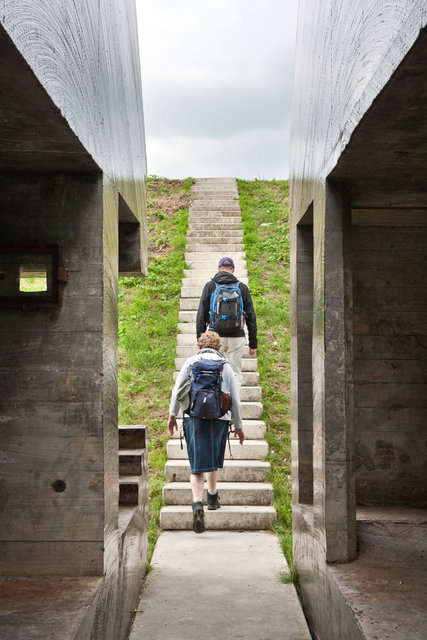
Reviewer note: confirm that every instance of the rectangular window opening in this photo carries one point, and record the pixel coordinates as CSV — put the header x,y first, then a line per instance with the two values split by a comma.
x,y
33,278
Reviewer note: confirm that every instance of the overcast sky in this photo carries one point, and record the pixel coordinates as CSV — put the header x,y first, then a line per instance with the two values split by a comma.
x,y
217,81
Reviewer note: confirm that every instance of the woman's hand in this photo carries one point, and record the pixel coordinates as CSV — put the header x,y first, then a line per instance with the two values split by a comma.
x,y
238,433
172,424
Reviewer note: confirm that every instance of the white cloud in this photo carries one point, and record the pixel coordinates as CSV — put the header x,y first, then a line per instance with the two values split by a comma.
x,y
217,84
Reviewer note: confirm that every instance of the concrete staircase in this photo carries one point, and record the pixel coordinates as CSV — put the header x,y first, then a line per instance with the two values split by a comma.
x,y
215,230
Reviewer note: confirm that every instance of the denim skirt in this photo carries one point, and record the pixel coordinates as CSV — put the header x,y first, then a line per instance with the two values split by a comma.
x,y
206,441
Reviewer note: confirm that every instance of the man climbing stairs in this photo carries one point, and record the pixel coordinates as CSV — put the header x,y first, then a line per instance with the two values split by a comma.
x,y
215,230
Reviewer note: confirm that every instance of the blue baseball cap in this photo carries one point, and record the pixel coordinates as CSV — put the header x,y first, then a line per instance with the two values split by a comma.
x,y
226,262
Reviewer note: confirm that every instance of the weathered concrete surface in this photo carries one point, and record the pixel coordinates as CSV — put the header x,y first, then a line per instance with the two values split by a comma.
x,y
358,246
386,587
41,608
72,172
218,585
382,593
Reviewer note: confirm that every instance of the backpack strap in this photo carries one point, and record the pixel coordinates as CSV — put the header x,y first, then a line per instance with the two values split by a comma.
x,y
211,320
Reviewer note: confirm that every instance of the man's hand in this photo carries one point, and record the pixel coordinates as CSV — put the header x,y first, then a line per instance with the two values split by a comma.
x,y
252,352
238,433
172,424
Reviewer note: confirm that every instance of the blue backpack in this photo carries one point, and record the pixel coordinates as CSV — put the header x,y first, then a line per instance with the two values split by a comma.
x,y
205,391
226,308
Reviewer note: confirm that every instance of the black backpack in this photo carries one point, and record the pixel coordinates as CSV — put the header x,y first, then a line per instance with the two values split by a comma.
x,y
205,391
226,308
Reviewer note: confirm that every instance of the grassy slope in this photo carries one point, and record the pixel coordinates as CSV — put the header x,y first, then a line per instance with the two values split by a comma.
x,y
149,316
148,319
264,207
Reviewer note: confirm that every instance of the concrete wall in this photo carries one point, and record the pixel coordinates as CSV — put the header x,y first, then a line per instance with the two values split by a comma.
x,y
390,363
358,220
72,173
51,382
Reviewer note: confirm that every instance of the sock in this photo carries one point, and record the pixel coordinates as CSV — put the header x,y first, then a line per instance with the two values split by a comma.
x,y
212,493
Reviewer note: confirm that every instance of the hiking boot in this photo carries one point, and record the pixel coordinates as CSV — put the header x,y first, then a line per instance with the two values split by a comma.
x,y
198,517
213,501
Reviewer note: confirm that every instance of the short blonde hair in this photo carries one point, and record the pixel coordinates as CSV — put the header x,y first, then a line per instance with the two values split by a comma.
x,y
209,340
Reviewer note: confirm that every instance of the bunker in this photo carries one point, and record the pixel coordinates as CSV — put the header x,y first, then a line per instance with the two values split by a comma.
x,y
359,333
72,217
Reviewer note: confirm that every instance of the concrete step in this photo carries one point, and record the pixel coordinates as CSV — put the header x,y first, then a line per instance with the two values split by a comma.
x,y
214,181
227,517
233,471
248,364
221,203
254,429
230,493
250,378
250,410
250,394
190,289
225,248
208,268
250,450
189,304
186,327
200,262
185,351
228,203
187,339
188,292
130,462
190,328
207,273
222,191
196,260
213,240
224,219
214,237
223,222
132,436
129,490
213,213
219,232
188,316
214,226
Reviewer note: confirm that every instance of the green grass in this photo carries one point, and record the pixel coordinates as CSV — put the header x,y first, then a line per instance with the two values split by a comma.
x,y
148,326
148,319
265,215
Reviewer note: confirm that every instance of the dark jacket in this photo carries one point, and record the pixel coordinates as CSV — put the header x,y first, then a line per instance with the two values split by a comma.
x,y
202,321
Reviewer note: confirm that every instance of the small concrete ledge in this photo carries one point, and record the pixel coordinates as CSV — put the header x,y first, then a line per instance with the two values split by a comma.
x,y
386,586
242,517
233,471
250,450
40,608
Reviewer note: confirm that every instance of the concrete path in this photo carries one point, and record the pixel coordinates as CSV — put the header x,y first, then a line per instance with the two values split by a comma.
x,y
223,584
220,585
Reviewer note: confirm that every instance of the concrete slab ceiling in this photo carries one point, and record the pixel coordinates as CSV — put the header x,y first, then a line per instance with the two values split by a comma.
x,y
33,133
388,147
